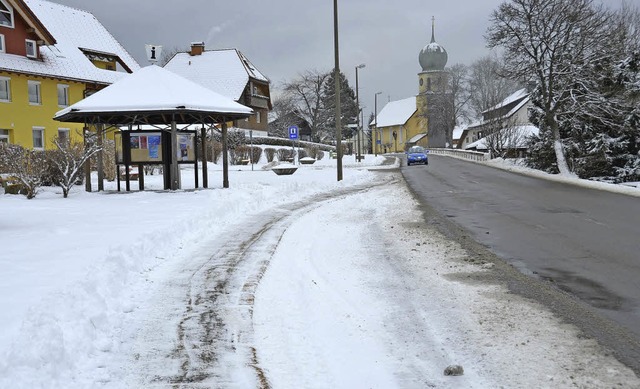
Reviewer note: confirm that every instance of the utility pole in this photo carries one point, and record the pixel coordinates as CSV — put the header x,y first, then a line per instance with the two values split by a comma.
x,y
337,88
359,152
375,109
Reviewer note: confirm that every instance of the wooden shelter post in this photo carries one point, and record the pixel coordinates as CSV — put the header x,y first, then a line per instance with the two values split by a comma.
x,y
225,155
100,130
87,164
203,141
175,169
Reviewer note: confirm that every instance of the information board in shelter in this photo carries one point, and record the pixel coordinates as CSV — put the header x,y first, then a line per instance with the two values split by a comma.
x,y
146,147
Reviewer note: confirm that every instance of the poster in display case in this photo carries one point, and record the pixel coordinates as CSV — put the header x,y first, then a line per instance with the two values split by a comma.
x,y
146,147
186,147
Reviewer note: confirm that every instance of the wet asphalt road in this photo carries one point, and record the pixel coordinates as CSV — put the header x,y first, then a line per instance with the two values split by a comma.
x,y
582,241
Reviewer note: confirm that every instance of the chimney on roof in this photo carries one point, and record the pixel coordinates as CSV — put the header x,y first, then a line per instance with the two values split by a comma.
x,y
197,48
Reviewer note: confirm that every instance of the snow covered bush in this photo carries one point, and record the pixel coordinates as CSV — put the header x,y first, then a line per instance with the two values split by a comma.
x,y
243,153
69,159
269,153
256,153
27,167
312,151
286,155
109,159
216,150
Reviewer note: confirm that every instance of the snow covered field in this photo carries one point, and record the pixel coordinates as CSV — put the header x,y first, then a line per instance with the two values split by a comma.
x,y
355,292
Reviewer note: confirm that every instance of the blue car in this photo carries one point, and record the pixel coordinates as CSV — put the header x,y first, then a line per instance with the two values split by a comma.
x,y
417,154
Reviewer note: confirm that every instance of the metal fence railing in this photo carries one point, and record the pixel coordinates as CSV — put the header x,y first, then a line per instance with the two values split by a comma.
x,y
463,154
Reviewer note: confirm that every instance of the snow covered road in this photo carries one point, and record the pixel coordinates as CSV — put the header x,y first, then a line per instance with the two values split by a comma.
x,y
214,344
370,302
353,290
295,282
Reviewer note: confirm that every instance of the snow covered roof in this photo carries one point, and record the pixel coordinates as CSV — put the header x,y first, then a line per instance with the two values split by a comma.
x,y
457,132
396,113
225,71
524,99
154,90
73,30
416,138
515,96
523,133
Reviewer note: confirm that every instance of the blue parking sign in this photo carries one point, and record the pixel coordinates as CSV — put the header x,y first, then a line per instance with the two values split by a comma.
x,y
293,132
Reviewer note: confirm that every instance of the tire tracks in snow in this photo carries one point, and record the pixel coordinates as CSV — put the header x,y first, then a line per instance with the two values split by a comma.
x,y
215,345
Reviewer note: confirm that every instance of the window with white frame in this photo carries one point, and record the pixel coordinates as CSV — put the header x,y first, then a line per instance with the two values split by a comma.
x,y
6,14
5,89
4,136
32,48
35,97
2,49
258,117
38,137
63,136
63,95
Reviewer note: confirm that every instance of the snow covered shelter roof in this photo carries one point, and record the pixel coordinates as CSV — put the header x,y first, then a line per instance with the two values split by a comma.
x,y
76,33
396,113
225,71
153,95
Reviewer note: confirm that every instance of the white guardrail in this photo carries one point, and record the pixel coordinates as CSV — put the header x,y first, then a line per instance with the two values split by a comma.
x,y
463,154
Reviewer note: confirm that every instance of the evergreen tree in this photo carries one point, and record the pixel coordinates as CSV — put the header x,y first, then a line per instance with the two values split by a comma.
x,y
348,106
550,43
599,125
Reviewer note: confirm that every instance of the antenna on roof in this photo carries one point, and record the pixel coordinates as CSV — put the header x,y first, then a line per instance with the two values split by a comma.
x,y
153,53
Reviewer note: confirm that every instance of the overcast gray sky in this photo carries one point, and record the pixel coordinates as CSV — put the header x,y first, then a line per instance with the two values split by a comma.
x,y
285,37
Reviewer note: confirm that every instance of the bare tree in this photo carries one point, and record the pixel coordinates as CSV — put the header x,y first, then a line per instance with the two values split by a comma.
x,y
285,111
486,86
27,166
459,86
306,93
437,110
168,53
548,42
504,137
628,20
69,159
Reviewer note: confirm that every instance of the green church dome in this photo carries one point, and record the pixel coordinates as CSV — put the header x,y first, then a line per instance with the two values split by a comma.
x,y
433,56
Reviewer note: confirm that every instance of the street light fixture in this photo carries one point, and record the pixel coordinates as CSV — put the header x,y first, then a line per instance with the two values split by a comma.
x,y
359,154
375,109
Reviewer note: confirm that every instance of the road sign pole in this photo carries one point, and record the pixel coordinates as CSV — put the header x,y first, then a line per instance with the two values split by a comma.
x,y
293,135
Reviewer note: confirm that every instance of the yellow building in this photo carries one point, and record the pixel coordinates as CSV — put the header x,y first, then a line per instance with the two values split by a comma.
x,y
426,119
398,127
51,56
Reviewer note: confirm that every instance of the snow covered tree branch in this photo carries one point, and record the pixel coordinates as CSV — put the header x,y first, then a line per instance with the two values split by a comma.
x,y
69,159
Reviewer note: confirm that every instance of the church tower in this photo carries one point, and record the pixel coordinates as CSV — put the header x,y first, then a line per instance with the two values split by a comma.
x,y
434,102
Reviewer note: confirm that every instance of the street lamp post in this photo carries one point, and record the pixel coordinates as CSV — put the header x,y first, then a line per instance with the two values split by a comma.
x,y
337,90
358,153
375,109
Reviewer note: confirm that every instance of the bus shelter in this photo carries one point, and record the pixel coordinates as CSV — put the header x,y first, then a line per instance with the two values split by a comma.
x,y
157,97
